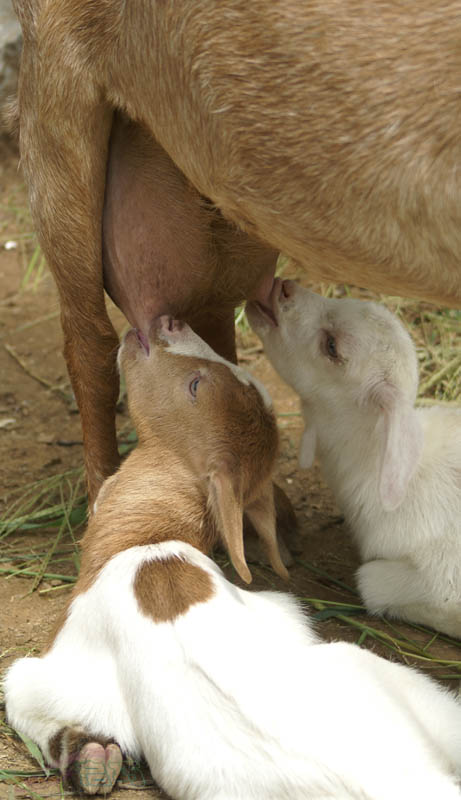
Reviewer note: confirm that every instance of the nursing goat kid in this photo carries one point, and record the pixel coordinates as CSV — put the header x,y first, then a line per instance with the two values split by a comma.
x,y
395,470
228,694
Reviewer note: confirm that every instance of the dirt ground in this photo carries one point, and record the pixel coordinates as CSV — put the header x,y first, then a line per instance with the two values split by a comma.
x,y
40,436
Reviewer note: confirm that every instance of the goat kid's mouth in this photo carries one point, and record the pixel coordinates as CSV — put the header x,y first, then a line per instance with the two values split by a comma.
x,y
270,310
143,341
166,329
132,342
163,329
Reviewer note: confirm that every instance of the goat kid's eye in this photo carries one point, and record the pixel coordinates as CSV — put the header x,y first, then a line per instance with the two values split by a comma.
x,y
194,385
330,347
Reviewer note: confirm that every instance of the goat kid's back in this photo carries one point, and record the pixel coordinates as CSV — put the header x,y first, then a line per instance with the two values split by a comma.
x,y
235,697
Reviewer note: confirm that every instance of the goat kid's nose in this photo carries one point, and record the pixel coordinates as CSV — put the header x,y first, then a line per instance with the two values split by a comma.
x,y
287,289
167,326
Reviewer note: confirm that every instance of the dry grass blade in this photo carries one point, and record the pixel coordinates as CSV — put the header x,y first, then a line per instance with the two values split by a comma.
x,y
32,373
36,506
449,369
393,638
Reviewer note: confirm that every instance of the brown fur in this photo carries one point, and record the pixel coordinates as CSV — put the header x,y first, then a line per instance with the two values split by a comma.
x,y
69,741
144,505
9,117
328,130
166,589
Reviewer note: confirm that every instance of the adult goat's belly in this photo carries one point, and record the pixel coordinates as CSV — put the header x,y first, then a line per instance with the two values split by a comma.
x,y
166,249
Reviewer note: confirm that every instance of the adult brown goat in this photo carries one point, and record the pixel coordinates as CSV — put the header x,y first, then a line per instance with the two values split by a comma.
x,y
173,148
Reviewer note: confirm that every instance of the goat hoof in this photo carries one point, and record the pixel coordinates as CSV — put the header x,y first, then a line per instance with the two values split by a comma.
x,y
98,767
114,760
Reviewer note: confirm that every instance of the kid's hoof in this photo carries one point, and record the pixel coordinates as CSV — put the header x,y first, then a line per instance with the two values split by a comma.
x,y
98,767
114,760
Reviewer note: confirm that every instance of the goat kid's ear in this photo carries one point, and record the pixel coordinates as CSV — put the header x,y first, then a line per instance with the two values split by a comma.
x,y
225,500
307,447
403,444
261,513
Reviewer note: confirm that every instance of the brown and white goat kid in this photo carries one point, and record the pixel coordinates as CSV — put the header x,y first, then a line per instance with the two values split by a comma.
x,y
228,694
395,470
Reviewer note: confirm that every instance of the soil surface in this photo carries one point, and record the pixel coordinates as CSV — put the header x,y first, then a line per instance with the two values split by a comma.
x,y
40,436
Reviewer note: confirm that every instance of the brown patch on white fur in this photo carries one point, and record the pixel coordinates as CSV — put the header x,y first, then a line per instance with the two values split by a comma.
x,y
166,589
137,511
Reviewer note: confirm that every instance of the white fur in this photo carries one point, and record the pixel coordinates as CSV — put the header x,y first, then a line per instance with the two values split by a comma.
x,y
395,471
201,697
189,344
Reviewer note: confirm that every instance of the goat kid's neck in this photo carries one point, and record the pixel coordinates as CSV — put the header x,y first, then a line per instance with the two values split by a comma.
x,y
348,451
154,497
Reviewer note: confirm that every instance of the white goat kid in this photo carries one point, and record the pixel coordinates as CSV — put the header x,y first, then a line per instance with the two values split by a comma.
x,y
228,694
395,470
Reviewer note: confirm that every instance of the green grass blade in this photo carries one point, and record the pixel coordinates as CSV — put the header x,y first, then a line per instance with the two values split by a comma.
x,y
35,752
